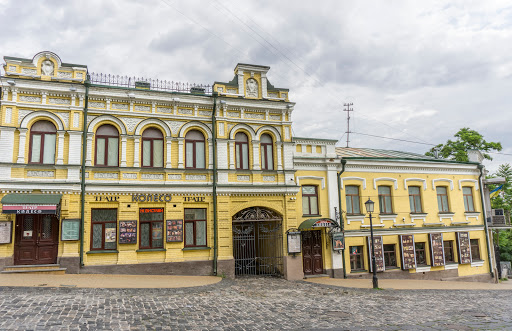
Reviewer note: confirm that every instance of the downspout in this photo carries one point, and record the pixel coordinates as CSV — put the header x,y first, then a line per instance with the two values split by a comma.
x,y
214,182
87,83
342,223
481,167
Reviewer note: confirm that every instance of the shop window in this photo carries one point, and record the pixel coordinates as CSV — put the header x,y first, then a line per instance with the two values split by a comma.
x,y
415,199
421,257
356,258
194,150
449,256
267,152
151,228
442,199
475,249
385,200
104,229
309,200
42,142
242,150
469,206
389,256
107,146
352,199
195,227
152,148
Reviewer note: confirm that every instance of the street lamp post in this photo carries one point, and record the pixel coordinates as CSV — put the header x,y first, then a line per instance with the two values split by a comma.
x,y
369,209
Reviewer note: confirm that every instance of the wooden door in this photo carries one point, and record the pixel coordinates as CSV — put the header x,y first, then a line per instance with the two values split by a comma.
x,y
312,260
36,239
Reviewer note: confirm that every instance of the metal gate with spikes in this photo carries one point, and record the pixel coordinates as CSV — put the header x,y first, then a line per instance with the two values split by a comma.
x,y
258,242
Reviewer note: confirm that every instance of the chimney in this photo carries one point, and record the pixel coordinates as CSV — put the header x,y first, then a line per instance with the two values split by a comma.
x,y
474,155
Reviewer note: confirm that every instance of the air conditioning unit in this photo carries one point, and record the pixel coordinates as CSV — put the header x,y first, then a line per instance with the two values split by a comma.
x,y
498,212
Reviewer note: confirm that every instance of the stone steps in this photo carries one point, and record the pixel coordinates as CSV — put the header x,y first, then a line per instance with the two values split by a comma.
x,y
34,269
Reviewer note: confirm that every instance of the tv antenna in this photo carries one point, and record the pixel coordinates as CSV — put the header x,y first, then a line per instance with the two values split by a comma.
x,y
348,110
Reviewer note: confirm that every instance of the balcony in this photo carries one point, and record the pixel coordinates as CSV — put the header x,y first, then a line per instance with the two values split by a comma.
x,y
498,219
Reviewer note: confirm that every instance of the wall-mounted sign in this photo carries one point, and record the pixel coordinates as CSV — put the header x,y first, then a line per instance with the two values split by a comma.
x,y
408,252
127,232
70,230
110,235
436,249
156,197
379,253
193,199
338,241
174,229
106,198
464,247
294,242
6,232
323,223
29,209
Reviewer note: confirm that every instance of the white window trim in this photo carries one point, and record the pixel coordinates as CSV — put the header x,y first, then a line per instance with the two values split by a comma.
x,y
353,178
477,263
442,180
355,218
311,177
384,179
416,179
468,180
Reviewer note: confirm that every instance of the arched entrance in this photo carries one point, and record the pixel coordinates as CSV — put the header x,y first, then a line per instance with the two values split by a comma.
x,y
258,242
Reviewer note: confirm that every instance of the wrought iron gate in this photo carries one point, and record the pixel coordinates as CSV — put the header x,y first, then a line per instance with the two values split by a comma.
x,y
258,242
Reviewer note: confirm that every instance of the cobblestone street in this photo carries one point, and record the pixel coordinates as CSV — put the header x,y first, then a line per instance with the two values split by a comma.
x,y
253,303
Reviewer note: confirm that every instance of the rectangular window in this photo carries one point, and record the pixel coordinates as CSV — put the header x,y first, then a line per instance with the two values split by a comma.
x,y
421,257
200,155
385,200
442,199
356,258
158,153
468,199
309,200
151,228
415,199
389,256
146,153
195,227
49,149
352,199
100,151
36,148
189,154
113,152
449,257
475,249
104,229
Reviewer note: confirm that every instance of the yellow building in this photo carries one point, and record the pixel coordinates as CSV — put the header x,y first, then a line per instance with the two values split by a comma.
x,y
186,179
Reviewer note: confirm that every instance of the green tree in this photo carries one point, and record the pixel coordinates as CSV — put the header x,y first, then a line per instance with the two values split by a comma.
x,y
466,139
504,199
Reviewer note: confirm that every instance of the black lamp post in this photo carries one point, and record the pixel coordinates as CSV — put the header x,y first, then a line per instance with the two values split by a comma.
x,y
369,209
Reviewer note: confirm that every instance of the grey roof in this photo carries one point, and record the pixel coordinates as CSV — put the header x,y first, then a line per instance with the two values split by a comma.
x,y
347,152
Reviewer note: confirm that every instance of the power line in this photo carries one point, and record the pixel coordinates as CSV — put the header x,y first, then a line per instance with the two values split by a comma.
x,y
405,140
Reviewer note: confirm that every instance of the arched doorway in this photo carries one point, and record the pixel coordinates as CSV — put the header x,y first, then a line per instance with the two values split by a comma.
x,y
258,242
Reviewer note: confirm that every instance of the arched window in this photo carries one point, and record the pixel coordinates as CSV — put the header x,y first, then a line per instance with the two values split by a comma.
x,y
107,146
194,150
42,142
152,148
242,151
267,154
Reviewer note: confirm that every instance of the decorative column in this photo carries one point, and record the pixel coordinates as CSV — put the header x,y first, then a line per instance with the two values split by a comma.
x,y
279,156
6,93
231,154
168,163
43,97
210,153
123,150
153,107
60,149
263,85
136,151
88,157
256,155
74,148
81,100
21,149
108,104
241,85
14,92
180,153
7,144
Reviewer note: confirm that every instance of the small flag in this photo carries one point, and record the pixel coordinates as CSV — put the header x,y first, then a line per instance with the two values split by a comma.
x,y
494,193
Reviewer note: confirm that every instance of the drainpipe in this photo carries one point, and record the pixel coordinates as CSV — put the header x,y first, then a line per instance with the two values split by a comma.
x,y
87,83
214,182
342,224
481,167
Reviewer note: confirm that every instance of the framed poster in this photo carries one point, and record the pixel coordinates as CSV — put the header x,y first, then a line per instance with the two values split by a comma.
x,y
436,249
379,253
408,252
464,247
5,232
127,232
70,230
174,230
294,242
338,241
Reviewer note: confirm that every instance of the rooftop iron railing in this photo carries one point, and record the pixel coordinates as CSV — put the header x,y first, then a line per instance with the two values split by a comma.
x,y
149,84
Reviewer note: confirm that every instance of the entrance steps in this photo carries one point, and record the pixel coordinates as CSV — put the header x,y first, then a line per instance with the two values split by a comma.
x,y
54,269
316,276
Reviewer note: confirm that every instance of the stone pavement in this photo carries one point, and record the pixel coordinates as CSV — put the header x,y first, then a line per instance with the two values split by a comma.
x,y
253,304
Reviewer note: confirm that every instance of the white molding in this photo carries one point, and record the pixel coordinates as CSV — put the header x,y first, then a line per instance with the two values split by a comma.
x,y
477,263
271,129
451,266
192,124
242,126
423,269
159,123
42,113
442,180
375,180
468,180
471,215
416,179
414,230
105,118
353,178
355,218
311,177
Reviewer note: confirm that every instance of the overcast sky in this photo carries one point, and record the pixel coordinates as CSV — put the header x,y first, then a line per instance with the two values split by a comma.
x,y
414,70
